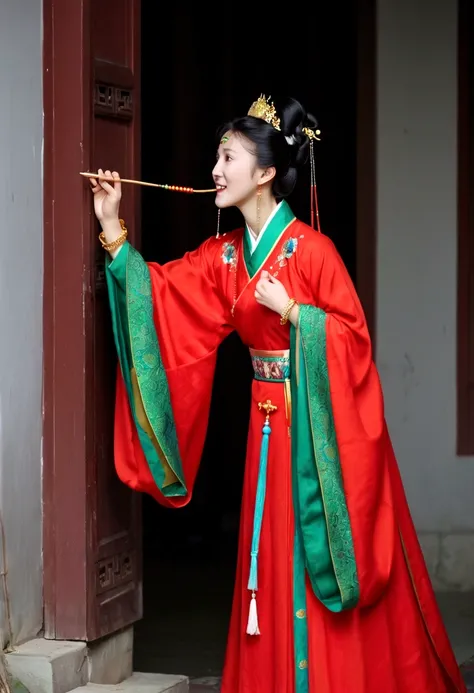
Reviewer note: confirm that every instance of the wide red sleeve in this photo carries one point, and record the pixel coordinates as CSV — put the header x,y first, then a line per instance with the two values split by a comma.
x,y
168,323
356,399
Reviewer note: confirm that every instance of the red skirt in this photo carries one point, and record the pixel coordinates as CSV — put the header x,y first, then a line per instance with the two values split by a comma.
x,y
398,645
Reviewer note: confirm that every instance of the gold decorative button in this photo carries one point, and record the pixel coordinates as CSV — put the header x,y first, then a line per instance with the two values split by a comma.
x,y
301,613
303,664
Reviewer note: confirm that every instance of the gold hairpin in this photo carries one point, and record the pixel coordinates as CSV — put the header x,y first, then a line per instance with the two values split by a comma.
x,y
312,134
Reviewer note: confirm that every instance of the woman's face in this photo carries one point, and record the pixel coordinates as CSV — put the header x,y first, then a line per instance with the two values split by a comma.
x,y
236,173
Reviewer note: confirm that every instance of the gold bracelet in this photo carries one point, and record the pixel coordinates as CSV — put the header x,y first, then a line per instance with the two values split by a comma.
x,y
285,314
113,245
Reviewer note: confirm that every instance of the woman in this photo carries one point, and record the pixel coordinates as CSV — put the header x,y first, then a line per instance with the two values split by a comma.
x,y
331,592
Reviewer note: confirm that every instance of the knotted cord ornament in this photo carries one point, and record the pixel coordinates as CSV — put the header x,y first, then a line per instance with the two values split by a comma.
x,y
252,625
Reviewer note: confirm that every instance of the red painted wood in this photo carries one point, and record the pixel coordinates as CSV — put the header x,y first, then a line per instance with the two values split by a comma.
x,y
92,533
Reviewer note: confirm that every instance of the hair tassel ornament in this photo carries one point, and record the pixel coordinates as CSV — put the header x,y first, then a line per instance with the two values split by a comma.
x,y
313,135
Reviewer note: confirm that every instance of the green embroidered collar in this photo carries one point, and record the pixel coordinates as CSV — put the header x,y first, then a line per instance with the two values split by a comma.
x,y
280,222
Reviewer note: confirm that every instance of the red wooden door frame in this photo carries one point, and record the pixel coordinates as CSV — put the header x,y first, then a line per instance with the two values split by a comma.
x,y
70,504
67,308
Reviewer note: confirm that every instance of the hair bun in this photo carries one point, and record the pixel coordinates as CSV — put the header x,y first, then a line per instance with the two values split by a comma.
x,y
293,120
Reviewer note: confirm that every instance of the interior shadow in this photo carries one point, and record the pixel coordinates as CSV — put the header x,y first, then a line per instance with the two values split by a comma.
x,y
197,73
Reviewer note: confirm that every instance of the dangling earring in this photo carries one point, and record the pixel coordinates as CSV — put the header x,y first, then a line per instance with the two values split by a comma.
x,y
259,195
314,196
218,235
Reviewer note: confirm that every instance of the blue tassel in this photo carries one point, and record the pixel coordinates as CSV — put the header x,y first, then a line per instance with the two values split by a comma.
x,y
252,625
253,579
259,506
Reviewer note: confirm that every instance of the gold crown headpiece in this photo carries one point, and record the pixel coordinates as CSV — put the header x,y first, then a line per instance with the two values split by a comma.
x,y
263,109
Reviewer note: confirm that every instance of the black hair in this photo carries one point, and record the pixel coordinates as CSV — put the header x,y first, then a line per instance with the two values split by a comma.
x,y
271,146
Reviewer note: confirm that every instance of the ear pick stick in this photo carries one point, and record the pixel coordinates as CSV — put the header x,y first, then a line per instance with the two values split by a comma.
x,y
174,188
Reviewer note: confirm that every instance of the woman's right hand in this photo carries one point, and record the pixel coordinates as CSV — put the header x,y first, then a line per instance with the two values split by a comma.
x,y
106,198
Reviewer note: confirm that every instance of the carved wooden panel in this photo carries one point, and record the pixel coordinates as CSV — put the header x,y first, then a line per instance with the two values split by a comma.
x,y
117,510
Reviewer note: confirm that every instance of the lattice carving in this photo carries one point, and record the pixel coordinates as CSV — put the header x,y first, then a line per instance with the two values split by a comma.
x,y
123,103
114,571
113,102
104,98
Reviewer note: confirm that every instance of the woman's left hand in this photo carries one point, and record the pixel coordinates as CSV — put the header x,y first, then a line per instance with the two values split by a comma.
x,y
271,293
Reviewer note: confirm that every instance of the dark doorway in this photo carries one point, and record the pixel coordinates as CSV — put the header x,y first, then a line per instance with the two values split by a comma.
x,y
198,70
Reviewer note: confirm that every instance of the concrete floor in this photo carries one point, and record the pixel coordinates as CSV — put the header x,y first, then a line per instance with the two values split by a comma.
x,y
205,685
458,615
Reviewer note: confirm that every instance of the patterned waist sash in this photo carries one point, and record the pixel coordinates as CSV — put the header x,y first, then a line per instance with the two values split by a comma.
x,y
271,365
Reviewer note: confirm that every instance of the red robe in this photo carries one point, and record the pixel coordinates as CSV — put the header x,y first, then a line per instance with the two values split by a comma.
x,y
388,637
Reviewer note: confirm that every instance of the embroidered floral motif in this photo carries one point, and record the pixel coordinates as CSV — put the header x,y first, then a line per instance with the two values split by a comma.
x,y
288,249
229,255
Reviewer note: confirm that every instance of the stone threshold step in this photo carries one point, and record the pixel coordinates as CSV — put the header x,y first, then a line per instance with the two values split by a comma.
x,y
141,683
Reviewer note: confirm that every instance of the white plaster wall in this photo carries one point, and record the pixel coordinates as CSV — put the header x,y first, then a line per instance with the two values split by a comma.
x,y
416,265
21,282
